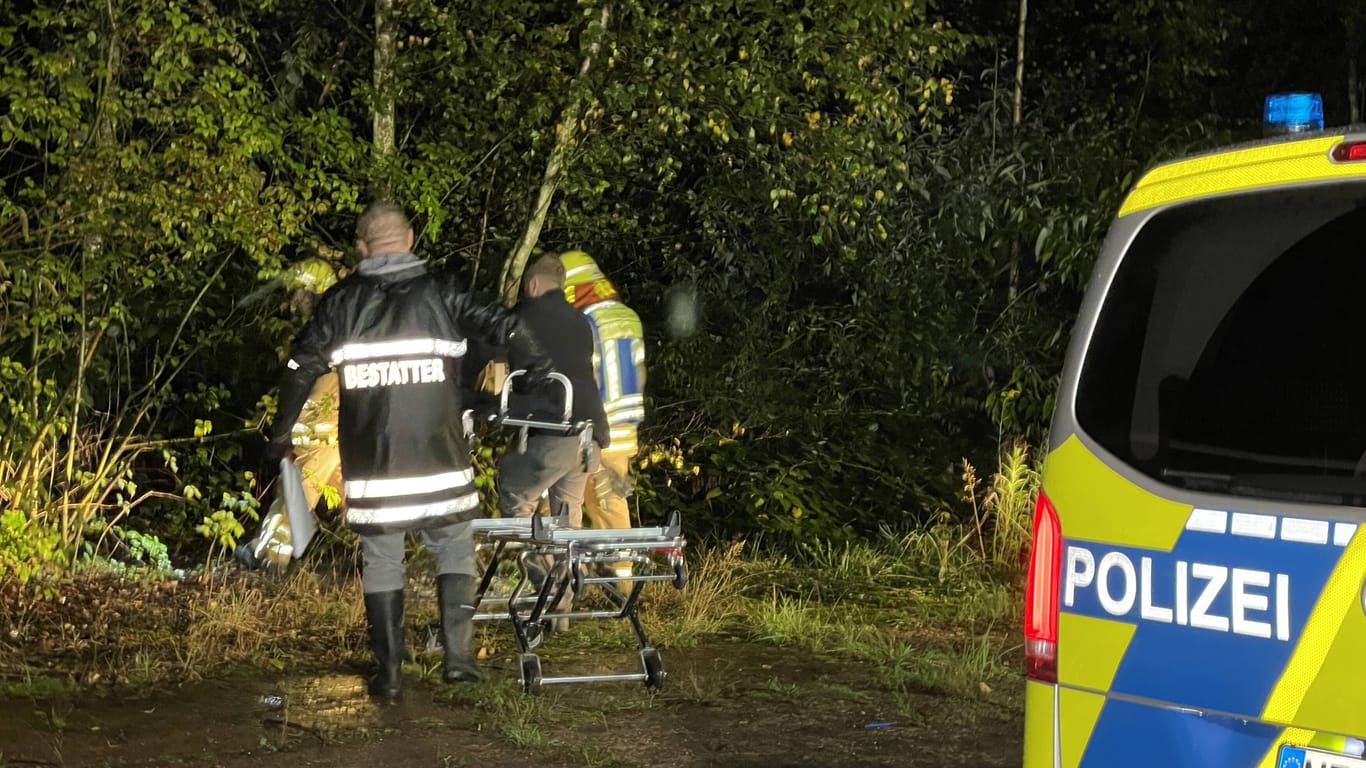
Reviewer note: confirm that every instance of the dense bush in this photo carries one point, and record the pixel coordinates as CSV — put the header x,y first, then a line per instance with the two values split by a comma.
x,y
885,264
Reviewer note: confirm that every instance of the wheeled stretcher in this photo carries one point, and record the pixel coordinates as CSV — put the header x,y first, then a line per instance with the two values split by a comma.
x,y
556,563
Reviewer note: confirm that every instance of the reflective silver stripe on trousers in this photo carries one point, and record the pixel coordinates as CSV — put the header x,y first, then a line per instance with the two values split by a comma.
x,y
410,514
380,350
623,402
622,432
382,488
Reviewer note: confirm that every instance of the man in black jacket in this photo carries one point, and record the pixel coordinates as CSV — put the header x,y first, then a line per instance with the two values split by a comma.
x,y
396,335
554,462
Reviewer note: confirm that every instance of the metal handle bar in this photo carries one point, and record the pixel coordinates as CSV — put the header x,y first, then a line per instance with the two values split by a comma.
x,y
557,376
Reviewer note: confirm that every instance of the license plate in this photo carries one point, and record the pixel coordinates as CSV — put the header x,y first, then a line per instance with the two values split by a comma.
x,y
1303,757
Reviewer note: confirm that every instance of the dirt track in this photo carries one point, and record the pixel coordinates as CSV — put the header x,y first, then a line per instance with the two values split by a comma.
x,y
727,704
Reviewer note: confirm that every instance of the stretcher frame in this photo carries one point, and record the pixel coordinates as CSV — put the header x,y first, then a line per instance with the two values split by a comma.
x,y
566,426
572,554
534,605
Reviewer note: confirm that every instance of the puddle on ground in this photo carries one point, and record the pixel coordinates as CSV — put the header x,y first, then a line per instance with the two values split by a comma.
x,y
200,720
326,702
721,706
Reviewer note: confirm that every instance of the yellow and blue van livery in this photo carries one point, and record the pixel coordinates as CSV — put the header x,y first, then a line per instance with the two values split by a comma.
x,y
1197,589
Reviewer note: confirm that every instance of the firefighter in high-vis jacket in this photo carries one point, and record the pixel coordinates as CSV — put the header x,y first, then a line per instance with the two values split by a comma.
x,y
619,362
314,437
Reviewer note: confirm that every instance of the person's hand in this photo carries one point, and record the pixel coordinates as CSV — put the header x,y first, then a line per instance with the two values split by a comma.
x,y
602,435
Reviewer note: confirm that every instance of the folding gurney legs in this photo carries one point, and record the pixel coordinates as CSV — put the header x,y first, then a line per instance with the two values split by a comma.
x,y
556,563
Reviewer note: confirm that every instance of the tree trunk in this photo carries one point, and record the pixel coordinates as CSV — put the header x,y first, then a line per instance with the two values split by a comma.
x,y
565,138
386,60
1353,22
1017,116
105,137
1353,92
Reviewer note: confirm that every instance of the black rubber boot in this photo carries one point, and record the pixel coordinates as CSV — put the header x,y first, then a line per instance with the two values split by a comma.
x,y
244,555
456,597
384,616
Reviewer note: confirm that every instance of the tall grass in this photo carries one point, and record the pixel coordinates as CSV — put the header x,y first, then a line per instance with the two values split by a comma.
x,y
883,602
518,718
235,626
145,631
929,607
1002,511
711,604
793,621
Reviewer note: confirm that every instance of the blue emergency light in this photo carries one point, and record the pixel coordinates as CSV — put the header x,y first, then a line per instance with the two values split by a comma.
x,y
1292,113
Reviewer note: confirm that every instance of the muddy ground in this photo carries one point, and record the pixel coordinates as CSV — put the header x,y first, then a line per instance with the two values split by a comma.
x,y
727,703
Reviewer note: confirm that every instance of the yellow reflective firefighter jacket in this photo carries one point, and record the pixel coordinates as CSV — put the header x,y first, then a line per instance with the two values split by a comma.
x,y
619,346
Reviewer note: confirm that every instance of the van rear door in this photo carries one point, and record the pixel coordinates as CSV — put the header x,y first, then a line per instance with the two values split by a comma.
x,y
1211,490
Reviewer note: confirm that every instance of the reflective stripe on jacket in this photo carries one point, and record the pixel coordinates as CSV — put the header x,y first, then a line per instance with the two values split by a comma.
x,y
396,335
619,358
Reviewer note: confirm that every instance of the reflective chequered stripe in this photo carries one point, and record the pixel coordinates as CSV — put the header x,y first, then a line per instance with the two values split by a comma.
x,y
388,487
389,350
397,516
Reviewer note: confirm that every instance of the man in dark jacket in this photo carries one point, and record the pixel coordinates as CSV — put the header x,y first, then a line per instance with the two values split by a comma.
x,y
396,335
554,462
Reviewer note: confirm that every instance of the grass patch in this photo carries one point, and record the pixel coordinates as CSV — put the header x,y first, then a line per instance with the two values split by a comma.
x,y
923,606
710,605
518,717
507,711
782,690
962,667
110,629
926,607
39,687
597,757
692,687
793,621
880,601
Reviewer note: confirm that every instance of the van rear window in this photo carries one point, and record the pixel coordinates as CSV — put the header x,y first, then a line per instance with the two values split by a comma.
x,y
1229,353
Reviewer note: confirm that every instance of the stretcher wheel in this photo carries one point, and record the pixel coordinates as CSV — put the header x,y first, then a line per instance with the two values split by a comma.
x,y
534,634
654,667
680,575
531,673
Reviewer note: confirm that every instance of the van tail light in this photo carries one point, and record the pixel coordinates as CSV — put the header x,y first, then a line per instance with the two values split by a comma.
x,y
1041,594
1349,151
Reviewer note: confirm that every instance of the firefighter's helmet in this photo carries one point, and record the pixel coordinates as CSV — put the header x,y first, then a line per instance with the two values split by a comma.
x,y
579,267
584,282
312,274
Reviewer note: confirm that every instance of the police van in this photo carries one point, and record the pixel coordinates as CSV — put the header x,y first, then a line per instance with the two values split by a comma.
x,y
1196,592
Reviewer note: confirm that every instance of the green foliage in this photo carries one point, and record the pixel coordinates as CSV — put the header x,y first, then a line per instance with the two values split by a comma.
x,y
222,526
135,553
1003,511
734,486
871,600
147,187
886,265
28,550
147,550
